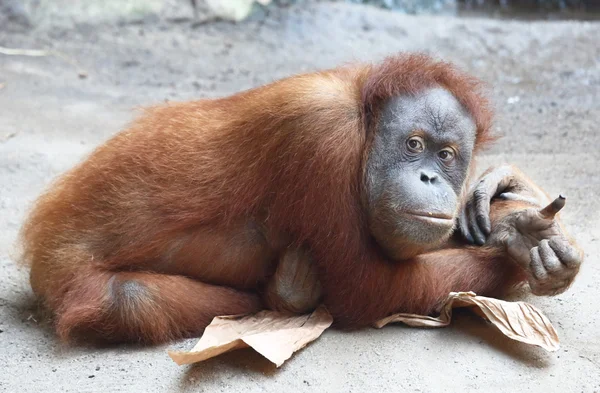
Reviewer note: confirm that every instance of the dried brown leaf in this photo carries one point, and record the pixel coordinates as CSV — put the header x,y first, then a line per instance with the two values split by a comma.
x,y
519,321
274,335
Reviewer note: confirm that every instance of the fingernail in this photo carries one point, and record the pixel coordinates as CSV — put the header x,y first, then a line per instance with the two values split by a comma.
x,y
487,228
479,239
469,238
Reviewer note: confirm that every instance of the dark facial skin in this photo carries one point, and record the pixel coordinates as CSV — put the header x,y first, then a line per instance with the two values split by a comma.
x,y
416,171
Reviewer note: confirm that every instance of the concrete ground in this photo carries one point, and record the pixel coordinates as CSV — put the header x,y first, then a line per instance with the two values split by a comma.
x,y
545,81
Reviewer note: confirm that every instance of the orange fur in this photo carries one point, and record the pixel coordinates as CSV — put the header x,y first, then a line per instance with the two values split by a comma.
x,y
146,206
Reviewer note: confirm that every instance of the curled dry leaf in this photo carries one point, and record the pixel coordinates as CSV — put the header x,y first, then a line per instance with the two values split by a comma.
x,y
274,335
519,321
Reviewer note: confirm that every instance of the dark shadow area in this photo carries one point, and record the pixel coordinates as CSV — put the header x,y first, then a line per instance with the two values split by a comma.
x,y
531,9
496,9
464,322
27,311
232,363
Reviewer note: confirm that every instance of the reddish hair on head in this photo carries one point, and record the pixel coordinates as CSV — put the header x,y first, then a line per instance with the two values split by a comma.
x,y
411,73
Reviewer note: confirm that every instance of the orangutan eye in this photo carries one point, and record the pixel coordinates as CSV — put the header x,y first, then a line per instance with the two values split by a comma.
x,y
446,155
415,144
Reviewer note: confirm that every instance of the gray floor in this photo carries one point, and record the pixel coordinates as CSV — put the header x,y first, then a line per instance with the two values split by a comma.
x,y
545,78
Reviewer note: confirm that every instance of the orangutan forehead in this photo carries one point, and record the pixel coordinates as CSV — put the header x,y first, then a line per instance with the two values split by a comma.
x,y
434,109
